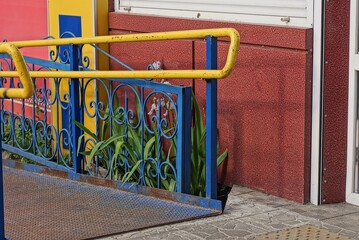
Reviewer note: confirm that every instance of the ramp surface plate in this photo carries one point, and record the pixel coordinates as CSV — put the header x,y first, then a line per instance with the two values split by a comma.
x,y
44,207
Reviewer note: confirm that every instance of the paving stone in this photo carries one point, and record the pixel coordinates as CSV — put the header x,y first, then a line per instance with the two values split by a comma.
x,y
246,208
235,233
251,237
237,224
207,229
231,228
167,235
322,212
144,234
347,233
238,190
322,225
224,217
198,233
276,220
265,199
348,222
183,235
217,236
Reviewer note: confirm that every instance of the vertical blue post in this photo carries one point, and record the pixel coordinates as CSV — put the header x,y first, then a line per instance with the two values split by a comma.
x,y
75,107
211,120
2,215
183,158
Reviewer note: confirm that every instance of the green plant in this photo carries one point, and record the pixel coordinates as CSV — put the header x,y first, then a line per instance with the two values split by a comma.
x,y
119,156
198,153
128,146
24,137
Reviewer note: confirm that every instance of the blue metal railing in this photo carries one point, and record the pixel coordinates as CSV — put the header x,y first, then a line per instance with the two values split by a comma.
x,y
141,129
124,107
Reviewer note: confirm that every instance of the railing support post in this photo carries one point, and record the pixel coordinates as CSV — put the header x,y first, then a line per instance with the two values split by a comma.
x,y
211,120
75,108
183,158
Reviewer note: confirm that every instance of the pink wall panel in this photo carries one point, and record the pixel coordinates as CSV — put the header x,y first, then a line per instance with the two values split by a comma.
x,y
23,20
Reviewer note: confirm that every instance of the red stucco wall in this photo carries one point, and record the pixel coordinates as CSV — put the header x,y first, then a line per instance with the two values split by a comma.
x,y
336,55
23,20
264,106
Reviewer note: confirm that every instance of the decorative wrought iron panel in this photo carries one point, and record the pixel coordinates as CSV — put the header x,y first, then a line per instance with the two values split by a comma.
x,y
139,132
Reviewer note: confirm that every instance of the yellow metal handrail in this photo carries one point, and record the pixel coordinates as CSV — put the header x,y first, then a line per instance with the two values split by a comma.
x,y
21,71
143,37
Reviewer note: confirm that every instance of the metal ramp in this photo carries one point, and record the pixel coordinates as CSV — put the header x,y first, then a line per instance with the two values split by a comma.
x,y
39,206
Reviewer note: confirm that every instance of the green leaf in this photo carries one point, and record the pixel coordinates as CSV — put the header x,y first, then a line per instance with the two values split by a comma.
x,y
222,157
86,130
165,184
148,147
129,174
94,151
111,140
202,144
137,104
104,128
79,143
198,116
135,137
172,186
174,144
169,153
85,153
117,151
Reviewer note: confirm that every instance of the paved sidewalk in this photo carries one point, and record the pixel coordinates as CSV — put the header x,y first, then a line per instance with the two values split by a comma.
x,y
250,214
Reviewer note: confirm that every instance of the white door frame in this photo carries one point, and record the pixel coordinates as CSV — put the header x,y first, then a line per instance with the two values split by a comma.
x,y
317,103
351,196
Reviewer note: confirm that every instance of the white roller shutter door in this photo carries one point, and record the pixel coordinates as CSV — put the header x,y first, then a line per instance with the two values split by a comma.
x,y
273,12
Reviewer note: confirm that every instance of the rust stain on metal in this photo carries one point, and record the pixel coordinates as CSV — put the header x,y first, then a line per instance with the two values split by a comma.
x,y
160,194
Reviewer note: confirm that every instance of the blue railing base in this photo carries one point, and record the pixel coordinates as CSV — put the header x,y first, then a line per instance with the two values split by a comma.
x,y
207,203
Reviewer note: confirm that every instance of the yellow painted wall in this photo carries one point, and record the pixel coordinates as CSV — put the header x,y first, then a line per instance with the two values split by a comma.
x,y
94,22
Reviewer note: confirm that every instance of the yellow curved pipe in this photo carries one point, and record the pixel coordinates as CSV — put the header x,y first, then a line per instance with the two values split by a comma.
x,y
142,37
22,73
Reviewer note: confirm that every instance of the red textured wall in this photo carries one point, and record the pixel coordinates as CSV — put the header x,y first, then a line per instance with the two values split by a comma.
x,y
24,20
335,100
264,106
